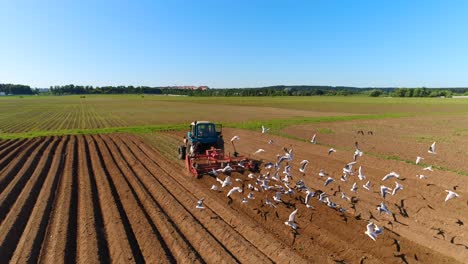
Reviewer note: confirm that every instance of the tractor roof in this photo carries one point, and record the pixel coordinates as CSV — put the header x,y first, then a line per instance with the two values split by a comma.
x,y
202,122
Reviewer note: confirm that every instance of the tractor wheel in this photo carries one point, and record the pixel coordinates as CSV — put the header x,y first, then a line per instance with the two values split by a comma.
x,y
182,152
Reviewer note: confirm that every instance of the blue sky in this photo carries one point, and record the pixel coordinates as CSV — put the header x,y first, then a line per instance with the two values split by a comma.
x,y
224,43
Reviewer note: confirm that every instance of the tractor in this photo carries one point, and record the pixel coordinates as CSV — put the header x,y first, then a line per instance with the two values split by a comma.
x,y
203,151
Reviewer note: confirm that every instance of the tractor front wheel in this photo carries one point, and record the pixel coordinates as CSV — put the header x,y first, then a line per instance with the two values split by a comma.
x,y
182,152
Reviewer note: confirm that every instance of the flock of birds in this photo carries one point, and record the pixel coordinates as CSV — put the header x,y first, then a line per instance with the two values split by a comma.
x,y
282,185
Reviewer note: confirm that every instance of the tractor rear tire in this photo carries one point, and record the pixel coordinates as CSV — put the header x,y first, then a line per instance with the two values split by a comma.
x,y
182,152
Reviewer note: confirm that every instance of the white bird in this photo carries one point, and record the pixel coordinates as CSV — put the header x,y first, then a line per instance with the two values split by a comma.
x,y
428,168
322,173
418,159
420,176
451,195
251,176
367,185
244,200
384,190
271,141
226,182
397,188
251,196
357,154
432,148
309,194
290,221
259,151
314,139
277,197
200,204
344,197
354,188
344,178
235,138
360,175
390,175
234,189
264,129
304,164
214,187
377,230
328,181
322,197
225,169
330,151
383,208
370,231
214,172
268,202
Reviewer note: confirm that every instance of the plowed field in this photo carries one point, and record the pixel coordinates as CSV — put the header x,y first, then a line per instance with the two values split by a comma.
x,y
116,198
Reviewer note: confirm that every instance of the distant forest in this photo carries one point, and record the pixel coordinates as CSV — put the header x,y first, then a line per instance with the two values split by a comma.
x,y
280,90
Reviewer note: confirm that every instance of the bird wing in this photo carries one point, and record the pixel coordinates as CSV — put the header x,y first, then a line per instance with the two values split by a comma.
x,y
292,216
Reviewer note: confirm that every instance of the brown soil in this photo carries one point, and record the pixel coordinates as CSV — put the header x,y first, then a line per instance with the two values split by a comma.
x,y
115,198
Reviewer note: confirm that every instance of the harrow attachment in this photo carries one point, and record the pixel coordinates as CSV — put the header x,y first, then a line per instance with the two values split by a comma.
x,y
215,159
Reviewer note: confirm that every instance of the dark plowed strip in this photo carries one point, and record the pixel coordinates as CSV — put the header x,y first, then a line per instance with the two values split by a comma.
x,y
146,235
203,241
29,246
178,244
20,178
120,249
251,231
14,161
59,244
13,225
89,227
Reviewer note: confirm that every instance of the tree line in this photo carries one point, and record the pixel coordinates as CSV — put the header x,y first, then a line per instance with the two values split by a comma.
x,y
279,90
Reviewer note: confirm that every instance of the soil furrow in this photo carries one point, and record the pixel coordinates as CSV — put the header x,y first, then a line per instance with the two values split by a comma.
x,y
13,225
226,234
180,247
29,246
250,230
20,175
119,248
13,162
146,234
59,244
8,153
201,239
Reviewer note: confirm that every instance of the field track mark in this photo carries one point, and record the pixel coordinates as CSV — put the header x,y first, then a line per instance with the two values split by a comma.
x,y
147,237
20,174
250,230
232,240
119,248
180,247
61,234
200,238
13,226
86,198
6,143
30,244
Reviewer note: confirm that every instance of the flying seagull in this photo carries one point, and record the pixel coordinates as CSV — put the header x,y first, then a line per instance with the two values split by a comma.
x,y
383,208
451,195
271,141
360,175
307,198
234,189
390,175
370,231
235,138
428,168
432,148
328,181
314,139
367,185
214,187
354,188
200,204
259,151
384,190
303,165
290,221
397,188
264,129
418,159
330,151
